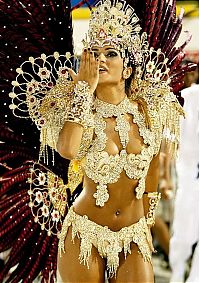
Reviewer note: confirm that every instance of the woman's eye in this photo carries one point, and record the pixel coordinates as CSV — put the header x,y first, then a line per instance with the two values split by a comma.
x,y
107,54
96,55
111,54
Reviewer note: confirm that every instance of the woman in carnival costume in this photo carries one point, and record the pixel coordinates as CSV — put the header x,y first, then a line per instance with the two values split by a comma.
x,y
108,119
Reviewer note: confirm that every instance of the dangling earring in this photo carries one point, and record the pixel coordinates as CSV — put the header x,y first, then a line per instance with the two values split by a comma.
x,y
125,74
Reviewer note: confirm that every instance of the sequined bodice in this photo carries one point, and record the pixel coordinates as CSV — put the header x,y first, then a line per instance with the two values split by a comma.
x,y
104,168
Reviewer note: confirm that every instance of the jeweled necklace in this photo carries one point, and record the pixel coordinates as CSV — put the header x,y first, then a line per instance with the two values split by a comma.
x,y
107,110
104,168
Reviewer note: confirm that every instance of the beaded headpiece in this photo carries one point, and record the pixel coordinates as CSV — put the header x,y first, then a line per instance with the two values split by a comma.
x,y
115,23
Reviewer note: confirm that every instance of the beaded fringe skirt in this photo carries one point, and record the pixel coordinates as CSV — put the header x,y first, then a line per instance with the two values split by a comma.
x,y
108,243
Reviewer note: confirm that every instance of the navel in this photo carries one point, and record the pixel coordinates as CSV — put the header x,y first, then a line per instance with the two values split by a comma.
x,y
117,213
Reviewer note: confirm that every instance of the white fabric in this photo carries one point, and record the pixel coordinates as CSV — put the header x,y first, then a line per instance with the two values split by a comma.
x,y
185,227
189,139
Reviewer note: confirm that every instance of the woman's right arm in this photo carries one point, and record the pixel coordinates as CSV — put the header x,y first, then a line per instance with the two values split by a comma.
x,y
71,134
69,140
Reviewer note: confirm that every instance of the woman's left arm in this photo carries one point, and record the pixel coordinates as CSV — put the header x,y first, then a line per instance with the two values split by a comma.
x,y
151,196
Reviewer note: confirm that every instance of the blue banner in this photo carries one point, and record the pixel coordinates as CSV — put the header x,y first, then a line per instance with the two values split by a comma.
x,y
75,2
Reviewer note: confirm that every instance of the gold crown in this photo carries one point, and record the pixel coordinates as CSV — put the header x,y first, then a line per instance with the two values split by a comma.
x,y
115,24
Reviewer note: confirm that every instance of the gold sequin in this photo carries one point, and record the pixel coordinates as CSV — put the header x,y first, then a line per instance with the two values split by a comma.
x,y
154,198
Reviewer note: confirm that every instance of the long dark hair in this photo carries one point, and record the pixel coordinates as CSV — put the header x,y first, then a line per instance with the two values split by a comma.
x,y
129,80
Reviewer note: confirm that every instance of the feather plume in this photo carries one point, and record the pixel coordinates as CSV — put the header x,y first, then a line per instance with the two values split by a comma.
x,y
27,28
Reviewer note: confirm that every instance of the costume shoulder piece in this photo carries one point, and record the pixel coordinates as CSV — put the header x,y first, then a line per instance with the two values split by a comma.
x,y
159,76
44,92
151,87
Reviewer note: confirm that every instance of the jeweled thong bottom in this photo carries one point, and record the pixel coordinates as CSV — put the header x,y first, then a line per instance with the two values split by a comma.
x,y
108,243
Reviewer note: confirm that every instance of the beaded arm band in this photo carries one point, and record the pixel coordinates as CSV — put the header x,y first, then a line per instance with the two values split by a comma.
x,y
154,198
80,108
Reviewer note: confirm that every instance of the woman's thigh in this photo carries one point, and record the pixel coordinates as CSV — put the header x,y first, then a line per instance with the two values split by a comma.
x,y
133,268
70,269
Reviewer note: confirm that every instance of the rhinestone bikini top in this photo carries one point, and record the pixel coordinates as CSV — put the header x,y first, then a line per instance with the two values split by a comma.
x,y
104,168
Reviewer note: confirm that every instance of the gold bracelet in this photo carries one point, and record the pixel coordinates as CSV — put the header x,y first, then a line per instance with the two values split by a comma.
x,y
154,198
80,109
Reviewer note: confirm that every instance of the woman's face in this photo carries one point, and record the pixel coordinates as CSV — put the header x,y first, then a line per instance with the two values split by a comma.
x,y
110,65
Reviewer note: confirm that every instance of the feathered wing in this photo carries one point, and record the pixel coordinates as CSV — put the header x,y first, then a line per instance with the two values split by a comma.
x,y
28,29
163,28
162,71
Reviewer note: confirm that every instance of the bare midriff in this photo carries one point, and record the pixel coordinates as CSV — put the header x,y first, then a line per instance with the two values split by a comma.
x,y
122,208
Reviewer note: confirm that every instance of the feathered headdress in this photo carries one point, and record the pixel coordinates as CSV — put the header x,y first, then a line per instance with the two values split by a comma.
x,y
115,23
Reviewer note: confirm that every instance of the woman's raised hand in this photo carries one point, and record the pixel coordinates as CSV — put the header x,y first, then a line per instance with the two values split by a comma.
x,y
88,71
